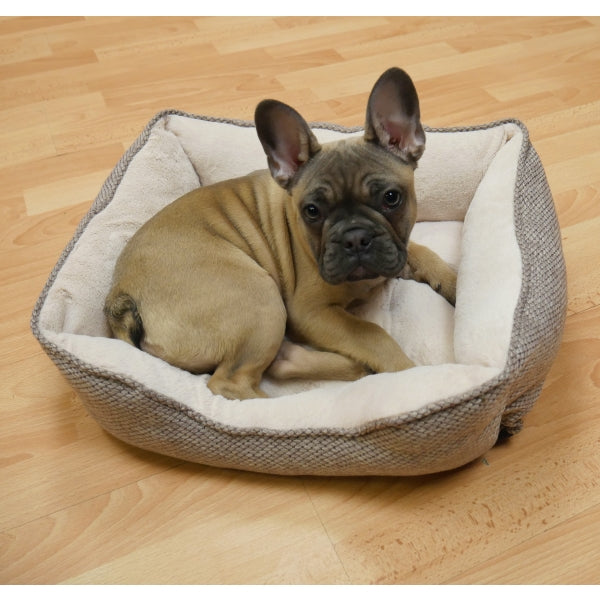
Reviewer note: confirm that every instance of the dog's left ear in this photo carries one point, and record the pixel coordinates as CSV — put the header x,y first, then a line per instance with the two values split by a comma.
x,y
394,118
286,139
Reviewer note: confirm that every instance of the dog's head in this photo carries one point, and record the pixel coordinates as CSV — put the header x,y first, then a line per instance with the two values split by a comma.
x,y
354,199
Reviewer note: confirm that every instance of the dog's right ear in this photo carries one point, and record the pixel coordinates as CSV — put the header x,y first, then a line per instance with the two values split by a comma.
x,y
286,139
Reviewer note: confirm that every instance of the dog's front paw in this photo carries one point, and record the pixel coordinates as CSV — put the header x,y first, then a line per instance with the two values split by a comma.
x,y
426,266
443,282
297,362
445,285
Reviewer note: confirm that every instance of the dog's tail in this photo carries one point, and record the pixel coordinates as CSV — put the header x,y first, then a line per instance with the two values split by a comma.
x,y
124,319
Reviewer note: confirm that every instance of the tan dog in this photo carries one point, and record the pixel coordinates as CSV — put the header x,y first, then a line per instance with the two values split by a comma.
x,y
214,281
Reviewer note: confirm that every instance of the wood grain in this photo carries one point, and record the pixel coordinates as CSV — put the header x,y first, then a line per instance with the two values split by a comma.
x,y
78,506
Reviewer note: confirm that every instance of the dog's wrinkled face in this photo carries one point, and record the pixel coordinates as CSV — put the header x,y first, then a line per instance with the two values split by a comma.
x,y
354,198
356,203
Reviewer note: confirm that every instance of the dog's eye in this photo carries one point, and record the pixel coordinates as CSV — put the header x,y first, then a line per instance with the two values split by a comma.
x,y
311,213
392,199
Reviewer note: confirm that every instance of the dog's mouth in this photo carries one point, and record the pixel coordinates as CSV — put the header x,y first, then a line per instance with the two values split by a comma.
x,y
361,272
340,267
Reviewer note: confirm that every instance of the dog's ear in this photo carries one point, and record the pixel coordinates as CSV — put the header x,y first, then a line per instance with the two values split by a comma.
x,y
286,139
394,118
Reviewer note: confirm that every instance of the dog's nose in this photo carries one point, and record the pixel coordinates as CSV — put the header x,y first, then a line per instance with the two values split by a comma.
x,y
357,240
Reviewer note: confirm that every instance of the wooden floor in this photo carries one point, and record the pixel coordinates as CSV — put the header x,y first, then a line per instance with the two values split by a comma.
x,y
78,506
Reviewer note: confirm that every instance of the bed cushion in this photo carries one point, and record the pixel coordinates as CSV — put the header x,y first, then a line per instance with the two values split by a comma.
x,y
483,204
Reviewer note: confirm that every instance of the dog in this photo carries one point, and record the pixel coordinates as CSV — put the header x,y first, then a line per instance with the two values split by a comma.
x,y
236,279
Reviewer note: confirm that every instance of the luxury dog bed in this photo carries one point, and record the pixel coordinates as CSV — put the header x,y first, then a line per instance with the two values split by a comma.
x,y
484,206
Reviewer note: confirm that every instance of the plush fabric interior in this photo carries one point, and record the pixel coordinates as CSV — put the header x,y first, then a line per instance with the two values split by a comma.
x,y
465,184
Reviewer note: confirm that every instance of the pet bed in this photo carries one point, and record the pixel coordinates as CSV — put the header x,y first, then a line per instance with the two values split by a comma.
x,y
483,204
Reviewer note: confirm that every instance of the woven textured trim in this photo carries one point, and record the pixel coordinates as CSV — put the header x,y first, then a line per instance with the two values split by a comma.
x,y
441,436
435,443
541,309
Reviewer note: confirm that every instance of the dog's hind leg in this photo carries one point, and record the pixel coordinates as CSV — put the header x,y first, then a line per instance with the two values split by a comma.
x,y
239,374
258,318
240,384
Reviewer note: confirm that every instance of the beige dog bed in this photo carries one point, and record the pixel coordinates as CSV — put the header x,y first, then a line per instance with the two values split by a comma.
x,y
484,206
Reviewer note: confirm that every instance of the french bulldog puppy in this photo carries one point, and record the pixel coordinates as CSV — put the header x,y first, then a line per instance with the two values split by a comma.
x,y
231,278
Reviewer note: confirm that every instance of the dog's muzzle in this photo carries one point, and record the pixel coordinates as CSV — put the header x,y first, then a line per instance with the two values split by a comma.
x,y
357,252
